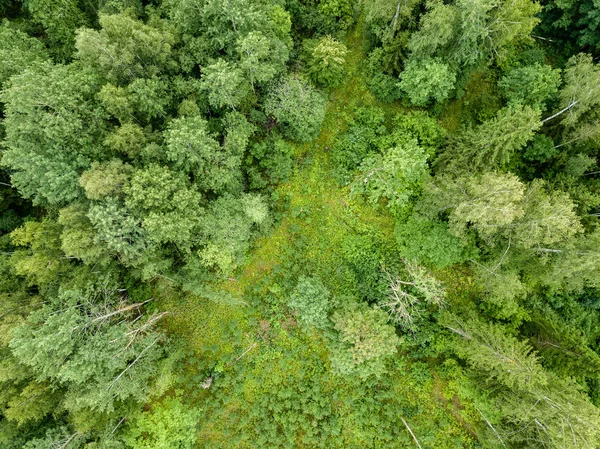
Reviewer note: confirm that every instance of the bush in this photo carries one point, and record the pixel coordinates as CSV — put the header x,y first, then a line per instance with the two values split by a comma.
x,y
298,108
360,140
396,175
312,302
169,425
430,135
325,61
384,86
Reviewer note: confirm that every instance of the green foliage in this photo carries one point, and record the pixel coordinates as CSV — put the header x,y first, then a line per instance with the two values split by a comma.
x,y
499,205
54,128
541,148
168,209
408,300
125,48
298,108
579,94
491,349
470,31
117,230
170,424
227,228
530,85
537,404
39,257
395,175
361,139
420,126
261,58
383,85
77,236
365,341
94,349
326,60
573,23
492,144
60,19
192,148
126,205
426,80
18,52
269,162
312,302
429,241
105,179
225,84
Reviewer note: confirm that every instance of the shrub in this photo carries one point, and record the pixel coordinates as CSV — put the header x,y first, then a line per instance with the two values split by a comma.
x,y
298,108
365,341
326,61
169,425
312,302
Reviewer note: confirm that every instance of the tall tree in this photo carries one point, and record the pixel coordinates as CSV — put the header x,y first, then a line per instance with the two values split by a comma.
x,y
54,129
492,144
297,107
125,48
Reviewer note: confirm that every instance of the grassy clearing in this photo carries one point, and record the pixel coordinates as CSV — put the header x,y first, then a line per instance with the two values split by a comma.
x,y
320,215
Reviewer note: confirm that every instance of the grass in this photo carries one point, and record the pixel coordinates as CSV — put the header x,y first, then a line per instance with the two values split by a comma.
x,y
319,216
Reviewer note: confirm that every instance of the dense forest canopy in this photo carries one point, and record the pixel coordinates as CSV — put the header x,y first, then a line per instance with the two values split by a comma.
x,y
299,224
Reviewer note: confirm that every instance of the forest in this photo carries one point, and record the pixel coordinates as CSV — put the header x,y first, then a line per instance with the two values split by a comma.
x,y
335,224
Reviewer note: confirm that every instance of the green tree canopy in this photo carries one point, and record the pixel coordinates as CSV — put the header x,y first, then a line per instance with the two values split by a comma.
x,y
297,107
125,48
54,129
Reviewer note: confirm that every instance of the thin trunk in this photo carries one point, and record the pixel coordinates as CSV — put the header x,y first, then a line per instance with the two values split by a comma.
x,y
123,310
395,21
411,433
132,363
491,427
561,111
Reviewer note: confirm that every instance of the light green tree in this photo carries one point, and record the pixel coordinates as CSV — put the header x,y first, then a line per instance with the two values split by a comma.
x,y
125,48
226,230
395,175
365,341
501,207
298,108
261,58
54,129
426,80
168,209
326,61
192,148
105,179
580,93
225,83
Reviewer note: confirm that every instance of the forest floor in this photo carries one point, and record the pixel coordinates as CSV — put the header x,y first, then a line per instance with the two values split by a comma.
x,y
260,338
